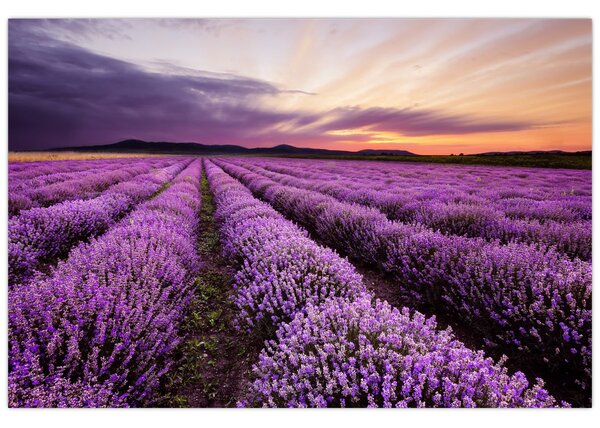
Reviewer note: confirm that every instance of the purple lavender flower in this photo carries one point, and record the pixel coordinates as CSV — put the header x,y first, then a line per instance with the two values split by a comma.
x,y
513,294
341,348
101,329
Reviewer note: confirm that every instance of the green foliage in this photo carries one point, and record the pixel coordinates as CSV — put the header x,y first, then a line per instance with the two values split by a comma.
x,y
209,341
569,161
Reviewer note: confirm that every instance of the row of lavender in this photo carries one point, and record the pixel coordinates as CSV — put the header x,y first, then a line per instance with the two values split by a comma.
x,y
101,329
41,175
40,235
28,170
562,223
48,189
24,192
535,303
525,193
335,345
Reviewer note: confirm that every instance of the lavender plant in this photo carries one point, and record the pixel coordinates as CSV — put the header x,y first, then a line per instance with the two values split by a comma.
x,y
363,353
534,302
562,222
335,345
101,330
40,235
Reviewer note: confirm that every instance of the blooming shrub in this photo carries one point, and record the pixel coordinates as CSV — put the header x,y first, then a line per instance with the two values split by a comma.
x,y
366,354
533,300
335,345
450,206
42,234
100,331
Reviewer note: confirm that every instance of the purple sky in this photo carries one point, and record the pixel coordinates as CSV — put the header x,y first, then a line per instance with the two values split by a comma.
x,y
88,82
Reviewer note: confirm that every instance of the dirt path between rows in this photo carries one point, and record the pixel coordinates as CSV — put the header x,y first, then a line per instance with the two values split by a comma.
x,y
214,358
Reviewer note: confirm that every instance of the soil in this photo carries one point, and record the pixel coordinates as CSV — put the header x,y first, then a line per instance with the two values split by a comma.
x,y
214,358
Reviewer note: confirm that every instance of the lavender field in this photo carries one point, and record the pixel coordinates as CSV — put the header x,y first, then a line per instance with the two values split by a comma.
x,y
270,282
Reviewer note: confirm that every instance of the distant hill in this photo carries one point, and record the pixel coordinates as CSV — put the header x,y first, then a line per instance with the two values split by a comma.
x,y
138,146
157,147
533,158
163,147
374,152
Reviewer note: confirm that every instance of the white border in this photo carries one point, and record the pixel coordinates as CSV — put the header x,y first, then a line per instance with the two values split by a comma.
x,y
301,418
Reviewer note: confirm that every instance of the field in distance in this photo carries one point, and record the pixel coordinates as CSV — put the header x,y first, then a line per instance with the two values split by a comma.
x,y
545,160
59,156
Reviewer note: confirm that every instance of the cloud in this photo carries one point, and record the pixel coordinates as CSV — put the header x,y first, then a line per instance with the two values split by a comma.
x,y
62,95
414,122
75,30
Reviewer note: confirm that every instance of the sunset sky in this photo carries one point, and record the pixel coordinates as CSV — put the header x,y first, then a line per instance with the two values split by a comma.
x,y
430,86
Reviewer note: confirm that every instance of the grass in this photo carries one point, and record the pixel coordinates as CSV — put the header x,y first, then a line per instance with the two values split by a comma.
x,y
569,161
213,357
60,156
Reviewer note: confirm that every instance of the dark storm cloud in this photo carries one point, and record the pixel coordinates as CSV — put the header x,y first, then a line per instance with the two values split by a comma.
x,y
63,95
414,122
